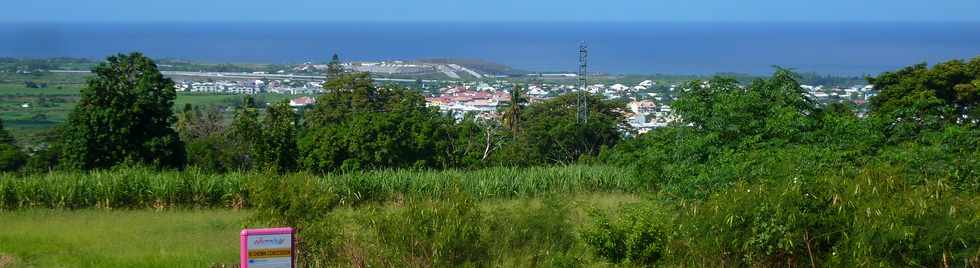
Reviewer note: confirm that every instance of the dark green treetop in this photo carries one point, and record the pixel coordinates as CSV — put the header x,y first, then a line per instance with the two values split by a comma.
x,y
245,135
356,125
279,138
124,115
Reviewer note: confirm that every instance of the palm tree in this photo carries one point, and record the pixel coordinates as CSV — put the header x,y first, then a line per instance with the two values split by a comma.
x,y
512,114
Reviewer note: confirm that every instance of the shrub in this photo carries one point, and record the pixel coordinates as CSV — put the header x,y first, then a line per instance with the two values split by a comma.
x,y
11,158
304,203
638,238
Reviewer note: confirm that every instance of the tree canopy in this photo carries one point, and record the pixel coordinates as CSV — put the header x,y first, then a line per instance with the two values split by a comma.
x,y
124,115
11,158
356,125
279,137
918,98
767,110
552,134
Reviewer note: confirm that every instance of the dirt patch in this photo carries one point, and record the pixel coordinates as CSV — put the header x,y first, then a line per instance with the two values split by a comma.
x,y
6,261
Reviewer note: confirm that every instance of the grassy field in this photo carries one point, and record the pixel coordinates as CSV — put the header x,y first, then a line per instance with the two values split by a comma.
x,y
28,112
120,238
192,238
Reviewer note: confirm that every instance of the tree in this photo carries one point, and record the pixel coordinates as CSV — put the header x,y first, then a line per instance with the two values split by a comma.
x,y
356,125
204,134
475,139
195,122
124,115
11,158
5,137
774,110
552,134
279,136
185,118
512,113
334,68
245,135
343,97
918,98
47,152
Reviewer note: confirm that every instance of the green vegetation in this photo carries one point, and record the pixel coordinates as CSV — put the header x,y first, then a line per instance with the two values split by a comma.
x,y
760,176
119,238
11,158
148,188
356,125
124,116
209,237
753,174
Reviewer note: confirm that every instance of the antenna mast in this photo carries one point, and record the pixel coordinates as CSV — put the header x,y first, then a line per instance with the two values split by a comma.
x,y
583,72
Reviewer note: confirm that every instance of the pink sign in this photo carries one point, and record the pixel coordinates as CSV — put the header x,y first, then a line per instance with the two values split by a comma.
x,y
268,248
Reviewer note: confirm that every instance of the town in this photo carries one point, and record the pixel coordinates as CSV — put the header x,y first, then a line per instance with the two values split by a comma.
x,y
482,94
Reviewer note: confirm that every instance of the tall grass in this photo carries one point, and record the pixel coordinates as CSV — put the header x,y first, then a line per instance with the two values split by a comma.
x,y
149,188
498,182
123,188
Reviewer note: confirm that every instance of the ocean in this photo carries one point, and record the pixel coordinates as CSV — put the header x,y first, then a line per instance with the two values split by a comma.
x,y
618,48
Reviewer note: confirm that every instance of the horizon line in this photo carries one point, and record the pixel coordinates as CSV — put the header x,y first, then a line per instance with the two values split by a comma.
x,y
494,21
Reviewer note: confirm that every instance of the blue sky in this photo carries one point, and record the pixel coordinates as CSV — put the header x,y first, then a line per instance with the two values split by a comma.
x,y
495,10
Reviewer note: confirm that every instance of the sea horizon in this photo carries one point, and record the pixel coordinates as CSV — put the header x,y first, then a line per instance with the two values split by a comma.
x,y
699,48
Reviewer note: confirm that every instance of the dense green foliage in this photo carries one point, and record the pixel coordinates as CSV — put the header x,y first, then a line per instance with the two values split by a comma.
x,y
207,146
919,99
279,138
11,158
125,115
759,176
552,134
357,125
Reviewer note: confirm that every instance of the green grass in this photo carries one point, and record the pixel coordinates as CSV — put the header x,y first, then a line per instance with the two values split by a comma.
x,y
10,89
204,99
201,238
27,123
121,238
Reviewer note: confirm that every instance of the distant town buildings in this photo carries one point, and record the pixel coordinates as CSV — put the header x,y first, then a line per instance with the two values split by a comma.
x,y
648,101
302,102
250,87
486,99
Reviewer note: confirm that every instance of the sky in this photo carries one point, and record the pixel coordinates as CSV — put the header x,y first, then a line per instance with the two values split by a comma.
x,y
490,10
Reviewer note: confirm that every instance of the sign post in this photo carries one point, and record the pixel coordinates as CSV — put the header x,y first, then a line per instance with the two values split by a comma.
x,y
268,248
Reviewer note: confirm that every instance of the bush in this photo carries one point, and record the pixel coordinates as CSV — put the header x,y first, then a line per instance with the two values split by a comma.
x,y
638,238
304,203
11,158
211,154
